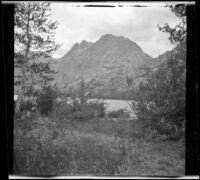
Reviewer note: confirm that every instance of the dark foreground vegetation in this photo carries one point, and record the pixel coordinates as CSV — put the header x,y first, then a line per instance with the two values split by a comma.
x,y
79,139
48,146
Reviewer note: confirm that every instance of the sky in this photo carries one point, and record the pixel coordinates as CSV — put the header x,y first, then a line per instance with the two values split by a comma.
x,y
139,24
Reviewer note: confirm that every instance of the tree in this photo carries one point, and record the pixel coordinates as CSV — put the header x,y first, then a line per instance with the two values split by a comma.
x,y
46,100
33,37
85,90
178,33
162,96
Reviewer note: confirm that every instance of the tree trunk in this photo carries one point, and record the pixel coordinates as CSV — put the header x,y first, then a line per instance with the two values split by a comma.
x,y
21,93
19,100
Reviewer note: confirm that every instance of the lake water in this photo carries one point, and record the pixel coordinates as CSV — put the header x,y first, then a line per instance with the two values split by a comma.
x,y
111,105
114,105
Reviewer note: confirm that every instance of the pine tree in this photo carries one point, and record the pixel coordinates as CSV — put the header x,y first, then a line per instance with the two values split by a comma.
x,y
33,37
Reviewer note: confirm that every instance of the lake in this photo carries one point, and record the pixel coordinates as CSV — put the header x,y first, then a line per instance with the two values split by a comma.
x,y
110,104
114,105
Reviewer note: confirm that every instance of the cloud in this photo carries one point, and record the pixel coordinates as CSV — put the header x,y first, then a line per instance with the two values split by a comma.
x,y
136,23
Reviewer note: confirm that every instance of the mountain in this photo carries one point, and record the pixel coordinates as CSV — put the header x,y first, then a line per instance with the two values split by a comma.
x,y
115,62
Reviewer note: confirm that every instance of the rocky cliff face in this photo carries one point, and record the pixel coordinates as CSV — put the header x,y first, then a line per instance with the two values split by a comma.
x,y
114,62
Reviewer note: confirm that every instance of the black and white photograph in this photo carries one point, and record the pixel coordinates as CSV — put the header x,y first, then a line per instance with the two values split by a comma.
x,y
99,89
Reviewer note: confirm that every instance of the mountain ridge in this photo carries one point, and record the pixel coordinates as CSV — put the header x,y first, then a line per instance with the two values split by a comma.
x,y
115,62
109,60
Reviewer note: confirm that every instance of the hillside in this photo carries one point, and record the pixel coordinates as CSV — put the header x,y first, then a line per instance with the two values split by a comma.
x,y
113,61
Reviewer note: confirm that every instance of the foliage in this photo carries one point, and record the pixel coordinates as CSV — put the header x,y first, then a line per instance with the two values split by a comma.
x,y
35,151
27,105
61,111
178,33
118,113
44,147
162,97
77,105
46,100
81,108
77,111
100,108
34,38
85,90
33,29
75,158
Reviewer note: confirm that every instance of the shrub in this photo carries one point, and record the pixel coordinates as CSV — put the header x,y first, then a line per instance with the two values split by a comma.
x,y
36,154
118,113
88,111
77,158
137,129
163,92
77,110
84,112
45,100
100,109
172,131
62,110
27,105
151,134
113,114
79,116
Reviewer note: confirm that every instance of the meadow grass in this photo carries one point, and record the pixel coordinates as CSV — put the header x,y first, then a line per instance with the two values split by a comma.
x,y
94,147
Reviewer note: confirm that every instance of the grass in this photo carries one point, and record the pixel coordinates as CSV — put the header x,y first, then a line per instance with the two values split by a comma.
x,y
95,147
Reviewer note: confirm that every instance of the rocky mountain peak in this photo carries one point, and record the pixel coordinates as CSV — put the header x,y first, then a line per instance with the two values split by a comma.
x,y
109,61
85,43
110,37
117,42
107,36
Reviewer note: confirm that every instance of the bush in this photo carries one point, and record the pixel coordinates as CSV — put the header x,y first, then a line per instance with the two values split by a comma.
x,y
137,129
163,92
118,113
172,131
100,109
78,111
75,112
27,105
45,100
85,112
36,153
32,139
76,158
62,110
